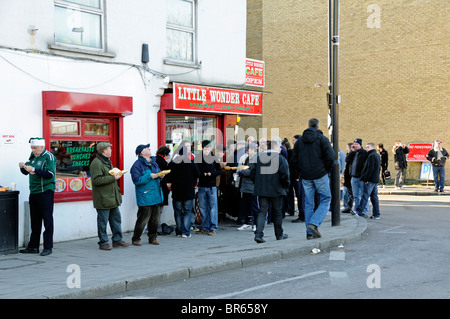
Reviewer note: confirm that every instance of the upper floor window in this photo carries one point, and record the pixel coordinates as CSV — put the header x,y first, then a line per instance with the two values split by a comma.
x,y
79,23
180,31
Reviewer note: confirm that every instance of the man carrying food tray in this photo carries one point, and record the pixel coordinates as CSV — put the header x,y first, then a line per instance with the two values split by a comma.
x,y
146,177
106,197
41,168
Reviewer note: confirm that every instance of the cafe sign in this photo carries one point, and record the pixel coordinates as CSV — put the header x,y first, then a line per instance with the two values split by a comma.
x,y
254,72
187,97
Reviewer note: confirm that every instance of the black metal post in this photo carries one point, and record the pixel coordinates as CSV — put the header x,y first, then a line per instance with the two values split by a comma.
x,y
334,110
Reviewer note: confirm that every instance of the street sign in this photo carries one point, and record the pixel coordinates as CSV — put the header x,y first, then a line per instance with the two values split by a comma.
x,y
418,152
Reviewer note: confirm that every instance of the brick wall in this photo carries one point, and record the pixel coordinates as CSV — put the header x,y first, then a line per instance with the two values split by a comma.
x,y
394,79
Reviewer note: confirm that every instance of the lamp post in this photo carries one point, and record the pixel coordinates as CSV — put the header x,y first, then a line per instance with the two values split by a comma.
x,y
333,101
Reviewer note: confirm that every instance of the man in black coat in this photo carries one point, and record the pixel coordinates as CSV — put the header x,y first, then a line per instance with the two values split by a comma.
x,y
370,176
183,178
400,150
438,156
271,178
313,156
209,168
356,160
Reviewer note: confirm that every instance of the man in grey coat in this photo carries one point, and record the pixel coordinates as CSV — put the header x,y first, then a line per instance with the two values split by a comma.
x,y
248,205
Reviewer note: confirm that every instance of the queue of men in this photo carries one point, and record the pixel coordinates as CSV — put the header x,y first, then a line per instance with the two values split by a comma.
x,y
261,174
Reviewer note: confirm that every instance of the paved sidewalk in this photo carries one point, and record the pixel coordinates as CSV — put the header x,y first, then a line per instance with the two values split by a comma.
x,y
416,190
122,269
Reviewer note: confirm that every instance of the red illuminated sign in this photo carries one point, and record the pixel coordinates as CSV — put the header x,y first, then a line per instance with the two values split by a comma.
x,y
254,72
418,152
189,97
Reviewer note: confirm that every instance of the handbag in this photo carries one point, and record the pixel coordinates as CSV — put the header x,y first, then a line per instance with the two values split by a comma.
x,y
387,174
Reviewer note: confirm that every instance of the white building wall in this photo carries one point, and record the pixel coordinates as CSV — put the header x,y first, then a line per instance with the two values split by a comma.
x,y
25,74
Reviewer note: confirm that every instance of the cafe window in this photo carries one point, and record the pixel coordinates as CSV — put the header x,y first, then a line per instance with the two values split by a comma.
x,y
73,141
194,129
180,30
79,23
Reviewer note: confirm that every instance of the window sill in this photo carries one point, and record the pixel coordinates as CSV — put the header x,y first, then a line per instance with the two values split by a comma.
x,y
183,64
81,51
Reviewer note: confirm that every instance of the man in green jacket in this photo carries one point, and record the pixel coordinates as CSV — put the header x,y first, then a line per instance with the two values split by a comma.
x,y
40,167
106,197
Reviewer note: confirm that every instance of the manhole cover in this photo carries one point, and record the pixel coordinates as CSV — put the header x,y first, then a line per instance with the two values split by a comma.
x,y
15,263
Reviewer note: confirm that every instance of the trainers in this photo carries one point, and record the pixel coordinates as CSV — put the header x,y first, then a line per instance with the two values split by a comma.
x,y
29,251
284,236
254,228
201,231
313,228
105,247
245,227
121,244
260,240
212,233
136,242
153,242
374,217
185,236
46,252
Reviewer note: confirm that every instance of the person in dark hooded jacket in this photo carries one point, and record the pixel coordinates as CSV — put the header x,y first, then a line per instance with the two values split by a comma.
x,y
270,175
183,178
370,176
313,157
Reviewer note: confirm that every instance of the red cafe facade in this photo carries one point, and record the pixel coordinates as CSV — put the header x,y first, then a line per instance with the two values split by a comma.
x,y
195,113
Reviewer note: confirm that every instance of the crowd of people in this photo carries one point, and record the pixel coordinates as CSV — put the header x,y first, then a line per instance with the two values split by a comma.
x,y
252,182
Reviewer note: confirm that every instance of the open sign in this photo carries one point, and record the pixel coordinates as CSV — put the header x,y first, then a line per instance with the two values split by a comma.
x,y
254,72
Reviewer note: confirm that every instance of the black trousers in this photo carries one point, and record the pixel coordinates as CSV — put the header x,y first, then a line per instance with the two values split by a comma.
x,y
277,205
41,210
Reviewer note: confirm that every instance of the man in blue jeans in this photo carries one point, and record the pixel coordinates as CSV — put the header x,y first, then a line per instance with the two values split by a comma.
x,y
209,169
438,156
356,160
370,176
313,159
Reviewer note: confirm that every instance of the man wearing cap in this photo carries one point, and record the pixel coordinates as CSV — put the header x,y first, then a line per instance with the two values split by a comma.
x,y
41,168
438,156
149,194
106,197
355,161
